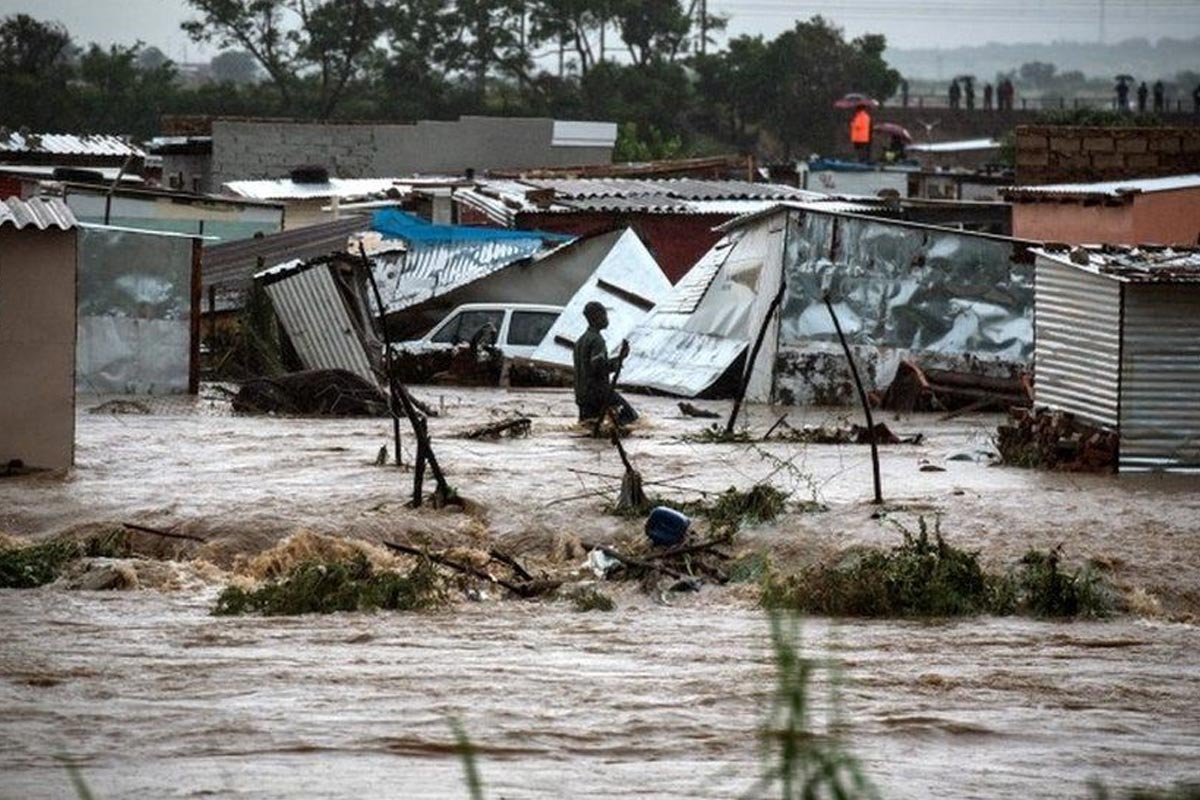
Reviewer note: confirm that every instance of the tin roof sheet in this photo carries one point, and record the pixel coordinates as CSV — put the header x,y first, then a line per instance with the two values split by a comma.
x,y
287,189
68,144
1132,264
957,146
40,212
230,266
1102,190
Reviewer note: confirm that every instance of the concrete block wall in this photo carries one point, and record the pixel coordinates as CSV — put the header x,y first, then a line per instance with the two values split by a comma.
x,y
1076,154
250,149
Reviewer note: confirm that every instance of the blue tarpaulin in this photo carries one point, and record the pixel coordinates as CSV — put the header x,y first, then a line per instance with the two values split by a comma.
x,y
395,224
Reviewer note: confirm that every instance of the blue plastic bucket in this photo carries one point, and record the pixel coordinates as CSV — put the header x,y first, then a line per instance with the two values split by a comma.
x,y
666,527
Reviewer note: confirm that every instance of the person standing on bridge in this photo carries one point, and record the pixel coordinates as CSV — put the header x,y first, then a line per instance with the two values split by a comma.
x,y
1160,94
987,97
1196,99
955,93
860,133
1142,91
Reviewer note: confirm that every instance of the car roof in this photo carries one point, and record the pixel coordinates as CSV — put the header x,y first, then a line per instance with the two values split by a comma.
x,y
504,306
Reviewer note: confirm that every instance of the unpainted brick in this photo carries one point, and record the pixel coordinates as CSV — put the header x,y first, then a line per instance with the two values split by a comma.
x,y
1141,160
1033,158
1166,144
1132,145
1099,144
1027,142
1191,143
1108,160
1063,144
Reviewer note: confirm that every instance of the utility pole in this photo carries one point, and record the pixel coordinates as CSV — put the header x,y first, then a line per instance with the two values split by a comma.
x,y
703,27
1102,31
603,25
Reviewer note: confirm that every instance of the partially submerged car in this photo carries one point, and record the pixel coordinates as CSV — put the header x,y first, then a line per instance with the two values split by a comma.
x,y
518,328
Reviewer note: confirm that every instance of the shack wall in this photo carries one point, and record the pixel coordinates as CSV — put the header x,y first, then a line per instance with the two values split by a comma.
x,y
1077,323
37,347
1167,218
135,310
1074,223
1160,379
948,299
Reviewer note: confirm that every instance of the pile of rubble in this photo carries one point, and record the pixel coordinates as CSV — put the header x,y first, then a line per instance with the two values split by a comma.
x,y
1056,440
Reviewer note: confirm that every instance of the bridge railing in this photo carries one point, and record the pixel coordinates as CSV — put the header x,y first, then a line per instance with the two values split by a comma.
x,y
1173,105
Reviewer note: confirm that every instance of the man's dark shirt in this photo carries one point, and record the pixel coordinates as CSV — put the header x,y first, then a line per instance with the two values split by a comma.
x,y
592,370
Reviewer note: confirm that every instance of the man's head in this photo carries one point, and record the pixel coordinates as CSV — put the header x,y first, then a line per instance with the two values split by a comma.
x,y
596,315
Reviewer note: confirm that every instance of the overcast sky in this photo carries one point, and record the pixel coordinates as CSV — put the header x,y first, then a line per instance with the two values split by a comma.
x,y
907,23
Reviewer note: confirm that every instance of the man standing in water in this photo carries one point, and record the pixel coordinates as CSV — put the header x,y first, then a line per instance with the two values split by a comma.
x,y
594,393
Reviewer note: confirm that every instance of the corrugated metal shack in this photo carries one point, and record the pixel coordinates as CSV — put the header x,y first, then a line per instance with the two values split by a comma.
x,y
946,298
1118,345
319,303
38,241
229,267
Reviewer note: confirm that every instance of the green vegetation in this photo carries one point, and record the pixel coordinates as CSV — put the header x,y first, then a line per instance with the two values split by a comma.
x,y
402,61
592,599
726,512
925,576
315,587
762,502
810,764
716,434
38,564
466,754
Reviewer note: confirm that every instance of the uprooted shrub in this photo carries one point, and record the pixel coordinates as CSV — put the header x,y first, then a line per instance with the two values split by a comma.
x,y
592,599
733,507
30,566
925,576
316,587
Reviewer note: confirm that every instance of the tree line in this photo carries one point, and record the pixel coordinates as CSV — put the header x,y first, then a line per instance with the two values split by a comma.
x,y
651,65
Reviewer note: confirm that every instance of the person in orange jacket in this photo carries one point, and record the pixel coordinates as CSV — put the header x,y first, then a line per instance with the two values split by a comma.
x,y
860,133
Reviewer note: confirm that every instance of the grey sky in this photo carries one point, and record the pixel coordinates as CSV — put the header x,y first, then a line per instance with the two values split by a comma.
x,y
907,23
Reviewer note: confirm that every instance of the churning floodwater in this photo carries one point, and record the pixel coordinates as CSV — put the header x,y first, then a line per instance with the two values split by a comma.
x,y
151,696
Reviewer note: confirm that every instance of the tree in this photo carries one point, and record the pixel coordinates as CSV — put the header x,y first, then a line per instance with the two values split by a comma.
x,y
234,66
35,70
806,69
299,43
117,94
1036,73
151,58
31,47
653,29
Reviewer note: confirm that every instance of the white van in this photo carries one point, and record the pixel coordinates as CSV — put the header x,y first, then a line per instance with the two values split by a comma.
x,y
520,327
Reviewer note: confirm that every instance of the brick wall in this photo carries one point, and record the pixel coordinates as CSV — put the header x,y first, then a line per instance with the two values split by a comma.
x,y
249,149
1062,154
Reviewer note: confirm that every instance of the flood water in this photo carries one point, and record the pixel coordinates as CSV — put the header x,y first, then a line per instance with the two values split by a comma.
x,y
152,697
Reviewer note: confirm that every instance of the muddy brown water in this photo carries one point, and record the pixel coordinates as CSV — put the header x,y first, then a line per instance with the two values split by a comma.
x,y
152,697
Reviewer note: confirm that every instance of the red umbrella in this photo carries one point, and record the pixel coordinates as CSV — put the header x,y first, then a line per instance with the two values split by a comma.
x,y
854,100
894,130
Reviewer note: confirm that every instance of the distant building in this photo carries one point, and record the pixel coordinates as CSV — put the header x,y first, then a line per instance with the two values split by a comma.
x,y
1147,211
210,152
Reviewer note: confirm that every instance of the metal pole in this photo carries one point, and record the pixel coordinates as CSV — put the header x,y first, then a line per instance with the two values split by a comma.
x,y
862,397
